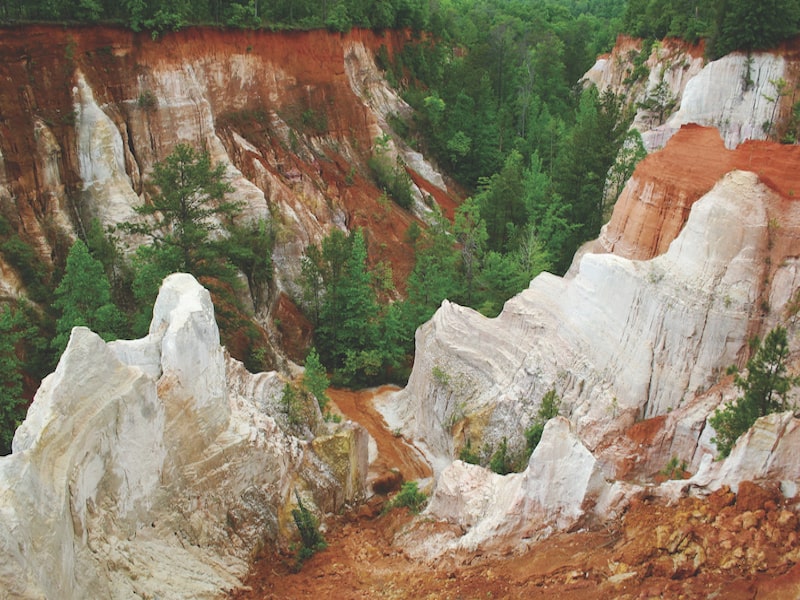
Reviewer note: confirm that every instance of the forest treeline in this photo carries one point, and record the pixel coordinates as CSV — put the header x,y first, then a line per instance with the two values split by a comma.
x,y
725,25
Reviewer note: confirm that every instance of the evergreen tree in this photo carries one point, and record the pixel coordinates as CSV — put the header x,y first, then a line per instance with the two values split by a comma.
x,y
11,401
348,316
84,298
765,390
747,25
187,209
315,380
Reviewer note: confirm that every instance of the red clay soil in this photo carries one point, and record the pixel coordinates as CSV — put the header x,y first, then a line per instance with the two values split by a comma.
x,y
726,546
654,207
393,451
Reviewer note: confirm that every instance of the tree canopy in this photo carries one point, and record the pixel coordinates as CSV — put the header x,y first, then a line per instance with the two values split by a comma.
x,y
83,298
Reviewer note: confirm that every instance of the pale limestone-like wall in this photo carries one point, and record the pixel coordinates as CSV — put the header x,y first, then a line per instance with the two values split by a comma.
x,y
154,467
714,94
494,512
719,97
621,340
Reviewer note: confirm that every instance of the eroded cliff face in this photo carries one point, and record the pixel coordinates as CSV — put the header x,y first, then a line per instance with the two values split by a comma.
x,y
656,201
158,467
292,116
737,94
700,254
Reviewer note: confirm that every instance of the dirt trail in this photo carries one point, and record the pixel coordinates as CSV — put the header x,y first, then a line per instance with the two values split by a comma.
x,y
393,451
726,546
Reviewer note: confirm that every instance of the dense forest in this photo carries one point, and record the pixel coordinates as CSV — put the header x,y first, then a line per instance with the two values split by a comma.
x,y
498,106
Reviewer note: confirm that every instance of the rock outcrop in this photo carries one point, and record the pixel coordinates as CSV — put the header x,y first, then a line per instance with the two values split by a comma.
x,y
656,201
526,506
292,116
157,467
620,341
674,86
635,340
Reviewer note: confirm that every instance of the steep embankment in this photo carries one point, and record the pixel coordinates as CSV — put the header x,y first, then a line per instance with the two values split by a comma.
x,y
673,86
292,116
636,349
655,203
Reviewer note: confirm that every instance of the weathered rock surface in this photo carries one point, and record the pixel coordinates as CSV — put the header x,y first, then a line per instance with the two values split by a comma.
x,y
157,467
735,94
631,346
292,116
620,341
529,506
656,201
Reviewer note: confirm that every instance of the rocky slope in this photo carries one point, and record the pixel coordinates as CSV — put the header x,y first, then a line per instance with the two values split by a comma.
x,y
292,116
674,85
158,467
635,340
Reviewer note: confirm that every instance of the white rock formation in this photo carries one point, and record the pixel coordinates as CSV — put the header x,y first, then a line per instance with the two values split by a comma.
x,y
768,451
522,507
152,468
106,186
622,340
732,94
735,94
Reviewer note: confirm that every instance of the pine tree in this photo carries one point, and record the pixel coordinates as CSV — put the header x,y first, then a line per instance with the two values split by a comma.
x,y
315,379
83,298
186,211
765,391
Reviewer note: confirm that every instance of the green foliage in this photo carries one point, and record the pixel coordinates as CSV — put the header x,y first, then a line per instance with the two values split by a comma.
x,y
468,455
249,248
765,390
674,469
308,527
12,403
551,403
629,155
356,336
315,379
501,461
587,154
244,16
409,497
391,177
21,255
83,297
727,26
147,101
187,208
292,405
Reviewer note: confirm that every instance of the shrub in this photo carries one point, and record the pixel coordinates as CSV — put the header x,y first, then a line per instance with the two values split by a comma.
x,y
548,410
468,455
391,178
501,462
310,536
674,469
409,497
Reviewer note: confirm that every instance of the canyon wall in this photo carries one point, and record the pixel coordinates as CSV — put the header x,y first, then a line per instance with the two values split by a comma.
x,y
158,467
675,85
292,117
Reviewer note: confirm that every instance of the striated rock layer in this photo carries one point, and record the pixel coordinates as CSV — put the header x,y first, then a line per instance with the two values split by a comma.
x,y
153,467
657,199
636,349
292,116
737,93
